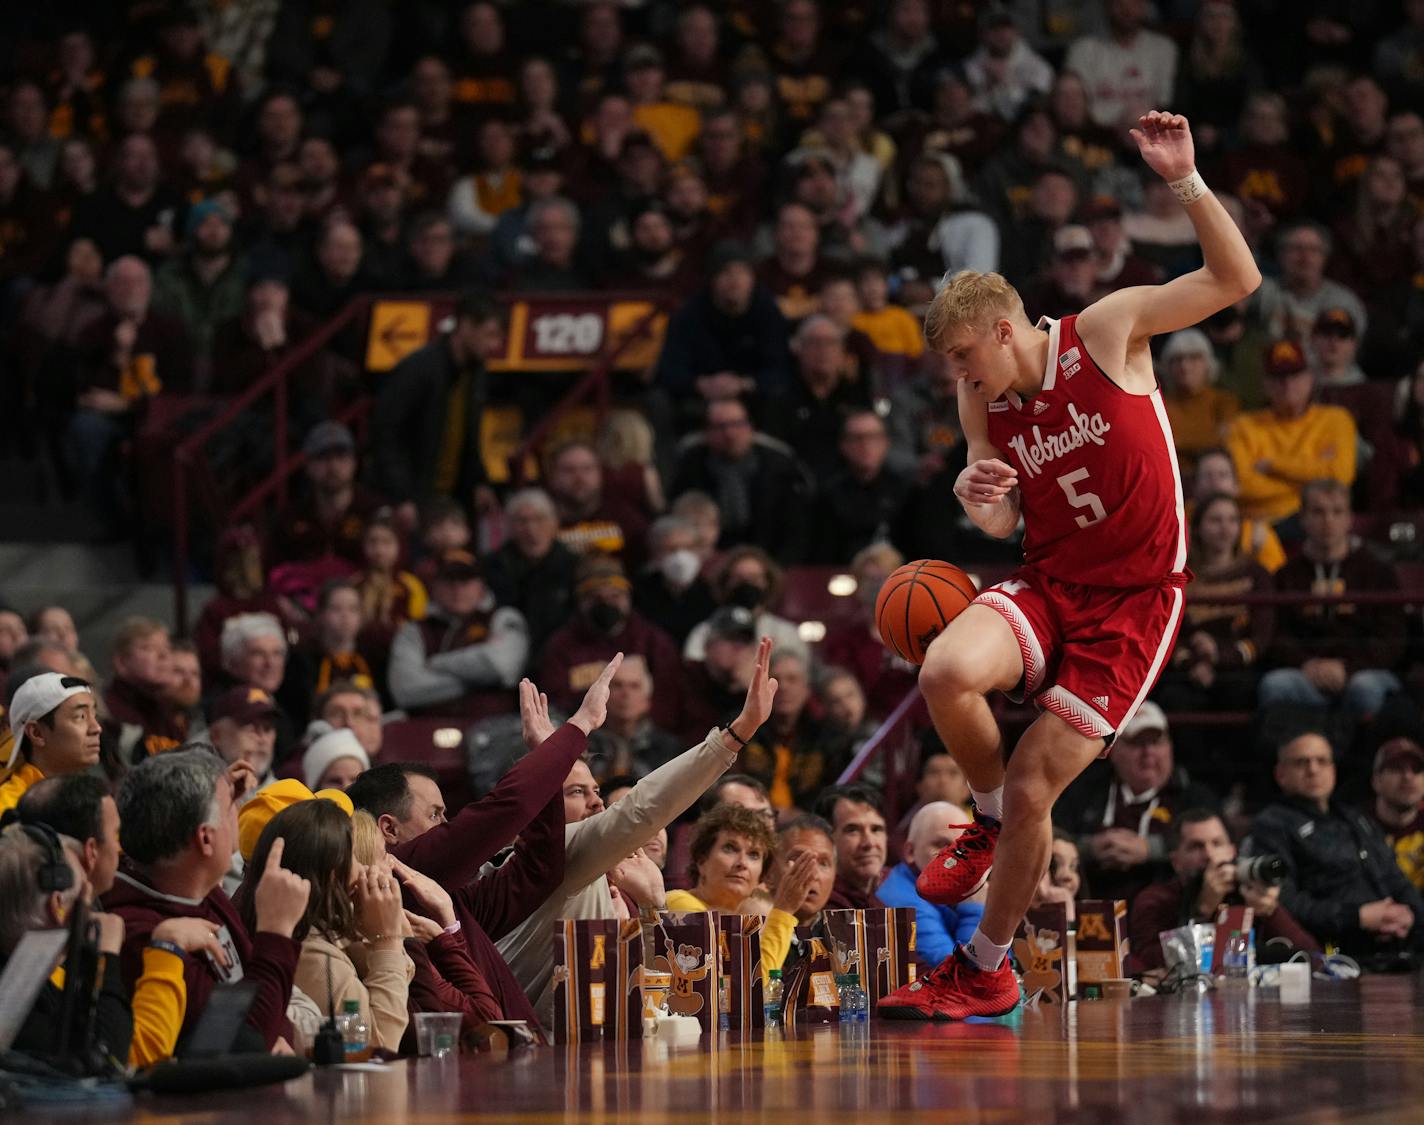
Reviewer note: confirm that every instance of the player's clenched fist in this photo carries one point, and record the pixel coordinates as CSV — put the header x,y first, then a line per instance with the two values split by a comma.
x,y
984,482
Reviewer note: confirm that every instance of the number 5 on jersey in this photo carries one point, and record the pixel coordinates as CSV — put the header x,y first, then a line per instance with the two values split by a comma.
x,y
1078,499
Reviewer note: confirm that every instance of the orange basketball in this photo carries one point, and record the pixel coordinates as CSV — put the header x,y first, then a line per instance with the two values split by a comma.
x,y
917,602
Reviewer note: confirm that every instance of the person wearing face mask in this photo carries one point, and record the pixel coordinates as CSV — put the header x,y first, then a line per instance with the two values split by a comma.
x,y
605,623
749,579
671,589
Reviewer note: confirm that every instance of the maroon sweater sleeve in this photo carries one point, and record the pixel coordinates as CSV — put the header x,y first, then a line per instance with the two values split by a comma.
x,y
1282,924
1155,909
273,965
452,854
448,980
518,887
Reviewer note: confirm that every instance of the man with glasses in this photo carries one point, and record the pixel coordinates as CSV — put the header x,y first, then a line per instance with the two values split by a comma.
x,y
862,502
1343,883
1286,306
762,491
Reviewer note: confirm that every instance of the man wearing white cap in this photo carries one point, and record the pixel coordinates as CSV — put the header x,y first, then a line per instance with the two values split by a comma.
x,y
1120,811
55,727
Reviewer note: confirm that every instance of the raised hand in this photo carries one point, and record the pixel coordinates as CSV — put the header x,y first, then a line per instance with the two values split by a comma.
x,y
1165,141
534,720
281,896
594,708
757,708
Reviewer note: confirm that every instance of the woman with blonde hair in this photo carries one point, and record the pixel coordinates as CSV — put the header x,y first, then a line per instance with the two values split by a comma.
x,y
446,978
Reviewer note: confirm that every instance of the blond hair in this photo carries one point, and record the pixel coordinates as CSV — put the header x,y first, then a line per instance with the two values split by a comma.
x,y
365,837
974,299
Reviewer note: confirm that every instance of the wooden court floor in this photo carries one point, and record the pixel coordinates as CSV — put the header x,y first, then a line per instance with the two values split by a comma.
x,y
1355,1053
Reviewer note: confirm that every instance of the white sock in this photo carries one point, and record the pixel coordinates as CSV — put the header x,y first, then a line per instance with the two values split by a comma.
x,y
990,804
984,952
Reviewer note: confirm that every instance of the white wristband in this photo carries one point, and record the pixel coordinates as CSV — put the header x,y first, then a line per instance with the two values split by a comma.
x,y
1189,188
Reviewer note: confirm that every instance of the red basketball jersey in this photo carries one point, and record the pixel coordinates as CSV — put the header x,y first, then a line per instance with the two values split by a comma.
x,y
1099,485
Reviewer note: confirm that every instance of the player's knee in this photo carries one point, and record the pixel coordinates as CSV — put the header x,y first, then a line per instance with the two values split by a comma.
x,y
950,669
1028,798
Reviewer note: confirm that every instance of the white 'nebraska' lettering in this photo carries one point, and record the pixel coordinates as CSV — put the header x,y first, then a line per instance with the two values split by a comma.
x,y
1085,428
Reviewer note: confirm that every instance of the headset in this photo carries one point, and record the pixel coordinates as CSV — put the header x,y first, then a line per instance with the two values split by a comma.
x,y
54,874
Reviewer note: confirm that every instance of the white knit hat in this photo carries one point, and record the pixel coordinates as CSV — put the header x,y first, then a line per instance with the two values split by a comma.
x,y
331,747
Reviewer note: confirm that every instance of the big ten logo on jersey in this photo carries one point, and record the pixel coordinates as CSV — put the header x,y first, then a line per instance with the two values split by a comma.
x,y
1083,429
1071,361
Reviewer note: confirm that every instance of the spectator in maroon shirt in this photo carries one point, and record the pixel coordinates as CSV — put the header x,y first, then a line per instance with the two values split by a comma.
x,y
138,695
1118,266
605,624
178,816
1204,860
591,520
241,588
330,519
528,803
857,820
794,272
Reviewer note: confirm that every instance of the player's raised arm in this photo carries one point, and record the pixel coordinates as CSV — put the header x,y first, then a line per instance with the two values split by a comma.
x,y
1228,272
988,485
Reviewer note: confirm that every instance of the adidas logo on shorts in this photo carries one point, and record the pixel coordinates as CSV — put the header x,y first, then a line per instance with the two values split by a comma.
x,y
1100,702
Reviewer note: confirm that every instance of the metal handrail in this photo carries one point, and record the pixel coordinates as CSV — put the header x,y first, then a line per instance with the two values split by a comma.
x,y
190,454
595,381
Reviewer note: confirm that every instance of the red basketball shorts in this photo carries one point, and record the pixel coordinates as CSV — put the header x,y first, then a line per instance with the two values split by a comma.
x,y
1090,653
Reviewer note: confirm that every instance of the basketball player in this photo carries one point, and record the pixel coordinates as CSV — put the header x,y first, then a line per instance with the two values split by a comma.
x,y
1066,429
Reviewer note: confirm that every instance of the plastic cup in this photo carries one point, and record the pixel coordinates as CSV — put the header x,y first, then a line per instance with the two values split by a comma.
x,y
437,1034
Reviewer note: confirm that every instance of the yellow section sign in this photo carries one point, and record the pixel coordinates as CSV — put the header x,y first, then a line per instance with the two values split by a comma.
x,y
397,329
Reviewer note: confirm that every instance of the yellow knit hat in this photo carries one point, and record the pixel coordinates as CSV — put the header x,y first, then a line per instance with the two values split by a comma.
x,y
266,803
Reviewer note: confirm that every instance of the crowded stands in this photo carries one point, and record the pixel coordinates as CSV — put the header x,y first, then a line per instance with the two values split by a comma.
x,y
496,340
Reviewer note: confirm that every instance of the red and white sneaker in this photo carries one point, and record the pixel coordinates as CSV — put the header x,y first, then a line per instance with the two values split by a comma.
x,y
963,867
955,989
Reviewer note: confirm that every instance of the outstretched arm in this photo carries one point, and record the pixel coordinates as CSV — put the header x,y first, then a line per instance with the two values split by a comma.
x,y
1228,272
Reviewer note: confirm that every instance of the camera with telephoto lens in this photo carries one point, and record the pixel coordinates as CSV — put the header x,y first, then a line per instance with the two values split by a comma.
x,y
1264,870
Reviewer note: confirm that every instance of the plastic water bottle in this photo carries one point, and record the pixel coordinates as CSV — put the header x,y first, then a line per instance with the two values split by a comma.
x,y
1235,959
855,1005
355,1034
771,998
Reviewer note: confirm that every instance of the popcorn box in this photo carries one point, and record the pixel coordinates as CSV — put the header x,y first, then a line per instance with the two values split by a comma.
x,y
1102,940
598,977
739,946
